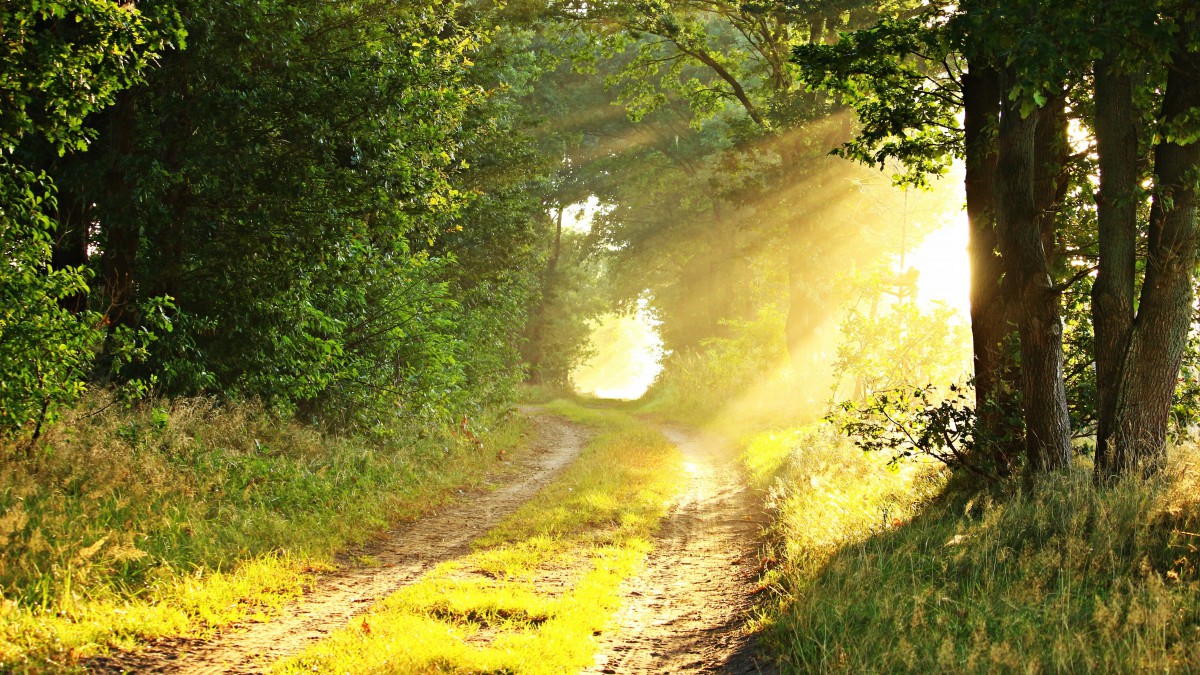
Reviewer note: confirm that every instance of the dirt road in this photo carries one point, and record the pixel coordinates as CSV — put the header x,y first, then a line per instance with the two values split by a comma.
x,y
405,554
686,613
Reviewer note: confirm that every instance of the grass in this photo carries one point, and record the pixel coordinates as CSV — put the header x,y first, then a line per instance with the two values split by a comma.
x,y
134,524
892,572
539,587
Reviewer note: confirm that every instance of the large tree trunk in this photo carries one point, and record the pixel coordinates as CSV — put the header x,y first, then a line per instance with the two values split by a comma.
x,y
1052,150
990,325
1019,225
1116,207
1150,370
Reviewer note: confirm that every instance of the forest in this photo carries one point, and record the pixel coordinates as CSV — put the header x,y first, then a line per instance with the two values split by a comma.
x,y
626,336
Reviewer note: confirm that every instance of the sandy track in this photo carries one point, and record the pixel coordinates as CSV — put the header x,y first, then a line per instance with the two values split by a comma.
x,y
686,612
405,554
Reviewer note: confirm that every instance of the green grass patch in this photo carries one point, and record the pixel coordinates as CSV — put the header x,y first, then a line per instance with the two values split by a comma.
x,y
883,572
540,586
129,525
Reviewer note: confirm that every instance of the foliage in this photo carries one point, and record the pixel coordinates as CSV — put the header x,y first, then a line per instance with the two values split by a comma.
x,y
291,210
695,385
65,60
901,78
901,346
919,422
1185,409
394,345
45,351
558,332
61,62
341,202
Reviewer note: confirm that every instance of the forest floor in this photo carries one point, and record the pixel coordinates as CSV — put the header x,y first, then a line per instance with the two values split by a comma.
x,y
686,610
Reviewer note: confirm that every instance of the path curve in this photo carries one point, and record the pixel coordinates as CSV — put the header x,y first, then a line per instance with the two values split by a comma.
x,y
405,554
687,611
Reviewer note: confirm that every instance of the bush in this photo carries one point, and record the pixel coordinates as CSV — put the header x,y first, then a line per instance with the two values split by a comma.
x,y
45,350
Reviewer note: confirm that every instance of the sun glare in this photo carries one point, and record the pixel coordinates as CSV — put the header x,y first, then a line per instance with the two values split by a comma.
x,y
944,268
578,217
628,356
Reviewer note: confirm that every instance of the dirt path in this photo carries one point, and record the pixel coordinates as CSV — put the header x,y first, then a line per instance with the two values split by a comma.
x,y
405,555
686,612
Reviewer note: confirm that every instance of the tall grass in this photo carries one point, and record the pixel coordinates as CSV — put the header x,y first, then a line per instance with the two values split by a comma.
x,y
131,524
886,572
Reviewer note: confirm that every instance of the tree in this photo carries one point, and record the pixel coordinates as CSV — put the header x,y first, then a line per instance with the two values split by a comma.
x,y
61,62
1158,335
724,58
1027,64
907,82
279,179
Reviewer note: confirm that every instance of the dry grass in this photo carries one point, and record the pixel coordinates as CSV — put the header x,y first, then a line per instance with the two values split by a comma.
x,y
131,524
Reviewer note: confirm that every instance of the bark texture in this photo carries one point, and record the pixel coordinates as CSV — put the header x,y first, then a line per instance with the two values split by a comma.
x,y
990,325
1027,270
1158,338
1116,208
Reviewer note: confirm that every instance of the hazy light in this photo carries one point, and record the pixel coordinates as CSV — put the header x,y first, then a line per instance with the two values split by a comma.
x,y
944,267
628,356
578,216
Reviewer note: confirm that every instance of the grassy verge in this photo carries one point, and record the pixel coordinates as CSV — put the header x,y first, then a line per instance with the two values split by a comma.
x,y
883,572
538,587
135,524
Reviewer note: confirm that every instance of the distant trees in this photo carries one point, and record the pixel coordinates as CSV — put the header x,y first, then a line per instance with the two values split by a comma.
x,y
1021,73
721,112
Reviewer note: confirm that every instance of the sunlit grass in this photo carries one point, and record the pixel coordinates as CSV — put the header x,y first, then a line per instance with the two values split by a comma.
x,y
881,573
540,586
827,494
136,524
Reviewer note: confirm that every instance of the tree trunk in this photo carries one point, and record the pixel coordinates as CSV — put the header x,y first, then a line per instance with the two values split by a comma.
x,y
537,322
1051,151
1157,341
990,325
804,304
1116,209
121,234
166,266
1026,267
71,240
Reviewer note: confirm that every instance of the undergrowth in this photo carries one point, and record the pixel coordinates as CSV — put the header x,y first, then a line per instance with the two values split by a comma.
x,y
131,524
536,589
889,572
